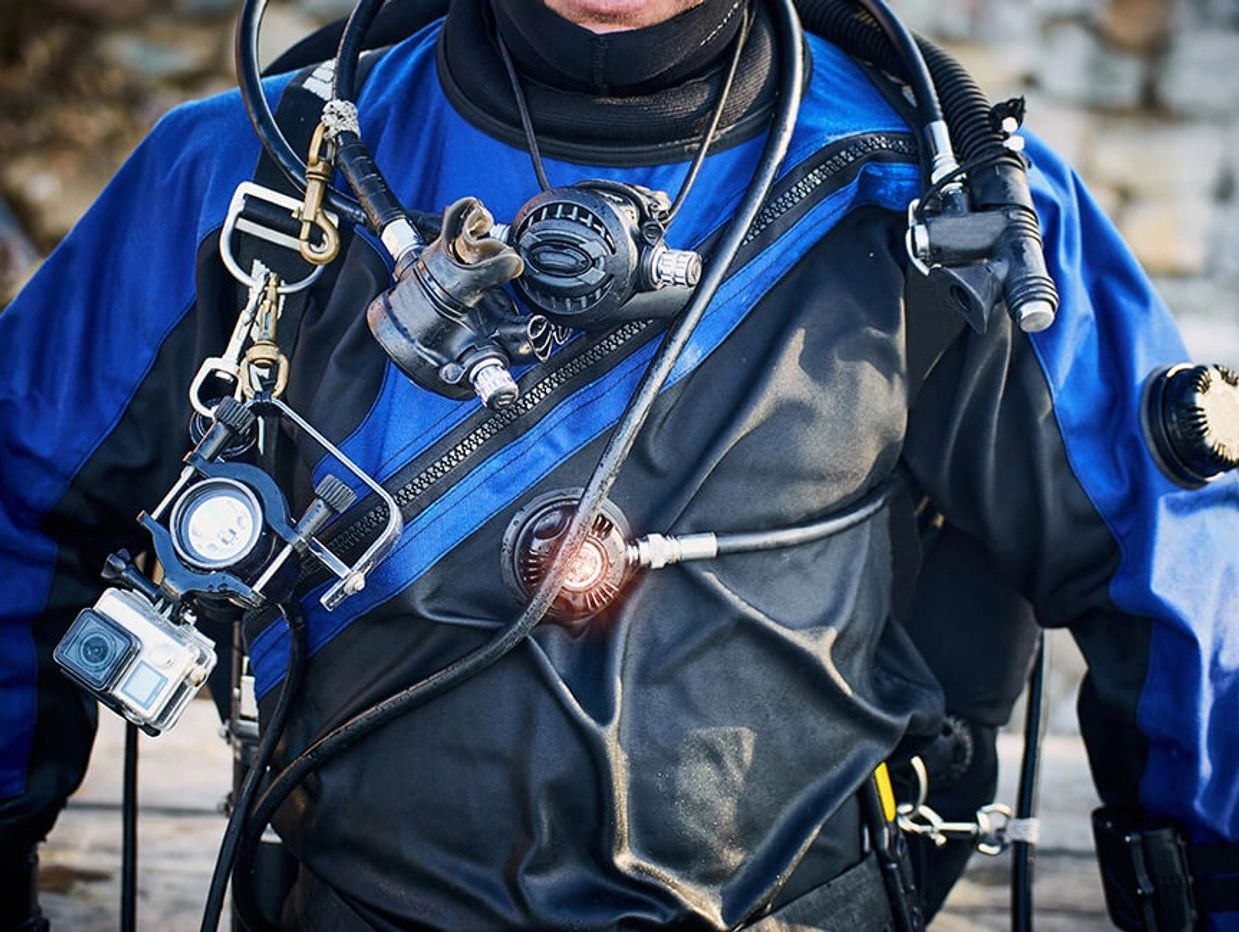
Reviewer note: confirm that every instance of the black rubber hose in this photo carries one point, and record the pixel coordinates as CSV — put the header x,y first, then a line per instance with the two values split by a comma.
x,y
917,70
964,105
352,40
968,111
245,904
1023,853
600,481
353,157
129,833
249,79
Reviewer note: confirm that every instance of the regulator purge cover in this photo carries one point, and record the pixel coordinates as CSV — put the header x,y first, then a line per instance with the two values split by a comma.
x,y
581,258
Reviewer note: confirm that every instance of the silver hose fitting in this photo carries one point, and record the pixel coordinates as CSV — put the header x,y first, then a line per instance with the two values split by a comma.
x,y
675,267
493,383
654,551
401,238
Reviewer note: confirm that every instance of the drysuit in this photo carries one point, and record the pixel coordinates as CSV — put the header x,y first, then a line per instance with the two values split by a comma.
x,y
692,759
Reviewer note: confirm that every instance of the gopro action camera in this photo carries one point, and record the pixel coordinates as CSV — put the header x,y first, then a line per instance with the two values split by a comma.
x,y
136,661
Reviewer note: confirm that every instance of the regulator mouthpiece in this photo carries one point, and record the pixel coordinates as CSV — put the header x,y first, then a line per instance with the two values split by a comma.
x,y
1190,416
447,323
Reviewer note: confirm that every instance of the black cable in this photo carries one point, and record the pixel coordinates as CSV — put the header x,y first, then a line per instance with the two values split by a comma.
x,y
935,189
836,523
917,70
708,136
522,108
1023,853
600,481
129,833
295,622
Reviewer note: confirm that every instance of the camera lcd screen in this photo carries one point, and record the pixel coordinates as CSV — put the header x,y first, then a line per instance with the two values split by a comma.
x,y
143,685
95,648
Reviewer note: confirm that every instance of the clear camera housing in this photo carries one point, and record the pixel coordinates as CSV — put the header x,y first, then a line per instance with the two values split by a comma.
x,y
135,660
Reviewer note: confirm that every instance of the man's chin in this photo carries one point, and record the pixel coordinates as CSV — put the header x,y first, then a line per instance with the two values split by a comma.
x,y
616,15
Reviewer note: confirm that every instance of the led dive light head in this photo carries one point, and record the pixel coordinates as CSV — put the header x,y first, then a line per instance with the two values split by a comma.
x,y
594,575
217,524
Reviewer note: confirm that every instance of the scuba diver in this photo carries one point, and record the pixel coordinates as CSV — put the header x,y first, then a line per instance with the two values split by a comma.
x,y
562,385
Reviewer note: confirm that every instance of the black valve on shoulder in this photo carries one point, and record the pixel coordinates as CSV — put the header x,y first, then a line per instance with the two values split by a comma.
x,y
595,255
980,242
1190,416
447,323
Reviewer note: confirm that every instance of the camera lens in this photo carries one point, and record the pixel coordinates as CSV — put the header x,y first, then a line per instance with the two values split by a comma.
x,y
96,650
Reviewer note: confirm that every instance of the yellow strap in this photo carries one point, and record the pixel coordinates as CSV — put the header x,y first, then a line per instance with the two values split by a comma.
x,y
882,777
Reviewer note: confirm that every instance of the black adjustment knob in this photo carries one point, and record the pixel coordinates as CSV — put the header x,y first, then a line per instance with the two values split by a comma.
x,y
238,443
1191,422
120,568
334,494
233,415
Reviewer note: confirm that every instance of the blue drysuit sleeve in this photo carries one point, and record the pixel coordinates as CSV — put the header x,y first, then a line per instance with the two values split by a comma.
x,y
96,354
1034,446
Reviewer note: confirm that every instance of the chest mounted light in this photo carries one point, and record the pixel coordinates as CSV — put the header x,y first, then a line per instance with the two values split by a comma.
x,y
595,574
607,559
596,256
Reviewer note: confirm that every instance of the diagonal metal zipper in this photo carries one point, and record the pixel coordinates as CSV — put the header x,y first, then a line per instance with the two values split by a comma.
x,y
826,171
355,537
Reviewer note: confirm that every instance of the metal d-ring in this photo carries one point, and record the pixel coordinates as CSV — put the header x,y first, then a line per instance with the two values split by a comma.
x,y
235,223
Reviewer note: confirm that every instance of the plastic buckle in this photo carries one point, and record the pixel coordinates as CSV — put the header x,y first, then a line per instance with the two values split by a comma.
x,y
1144,874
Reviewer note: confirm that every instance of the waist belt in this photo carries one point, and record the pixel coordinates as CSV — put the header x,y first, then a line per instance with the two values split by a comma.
x,y
855,901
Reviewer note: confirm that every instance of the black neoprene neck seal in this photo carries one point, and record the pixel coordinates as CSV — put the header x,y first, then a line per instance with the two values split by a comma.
x,y
552,51
707,136
647,116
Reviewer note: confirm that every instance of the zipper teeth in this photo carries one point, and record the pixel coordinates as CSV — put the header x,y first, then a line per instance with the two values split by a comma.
x,y
858,149
477,438
538,393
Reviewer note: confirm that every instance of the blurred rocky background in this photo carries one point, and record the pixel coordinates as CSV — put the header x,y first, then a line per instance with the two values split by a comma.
x,y
82,81
1141,95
